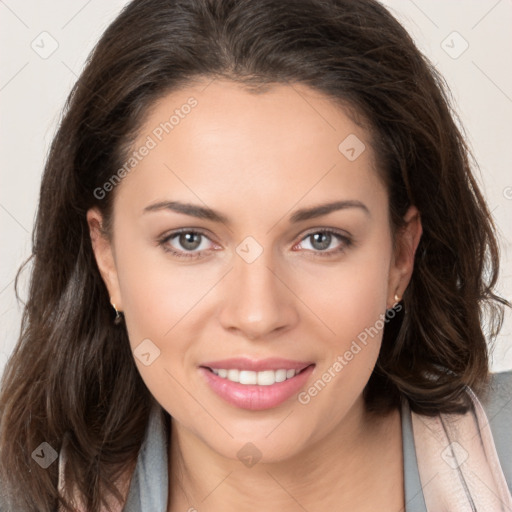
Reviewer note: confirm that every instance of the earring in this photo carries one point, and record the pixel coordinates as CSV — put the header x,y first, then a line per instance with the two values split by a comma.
x,y
397,299
118,318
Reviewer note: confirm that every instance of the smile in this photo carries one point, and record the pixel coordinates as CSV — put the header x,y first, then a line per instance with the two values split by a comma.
x,y
256,390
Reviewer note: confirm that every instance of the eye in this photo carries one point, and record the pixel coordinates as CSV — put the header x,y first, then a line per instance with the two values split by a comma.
x,y
191,243
322,239
185,241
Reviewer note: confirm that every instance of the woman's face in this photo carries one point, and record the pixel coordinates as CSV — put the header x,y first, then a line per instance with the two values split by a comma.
x,y
260,272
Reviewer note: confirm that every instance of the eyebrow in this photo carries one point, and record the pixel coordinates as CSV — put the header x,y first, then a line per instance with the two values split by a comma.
x,y
202,212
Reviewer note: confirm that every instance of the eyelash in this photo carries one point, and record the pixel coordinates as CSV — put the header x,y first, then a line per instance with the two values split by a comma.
x,y
347,242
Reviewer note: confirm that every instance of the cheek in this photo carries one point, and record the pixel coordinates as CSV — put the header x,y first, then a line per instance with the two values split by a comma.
x,y
352,295
156,292
162,303
157,296
353,306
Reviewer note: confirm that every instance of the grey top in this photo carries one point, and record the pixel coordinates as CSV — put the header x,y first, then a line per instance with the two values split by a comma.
x,y
149,485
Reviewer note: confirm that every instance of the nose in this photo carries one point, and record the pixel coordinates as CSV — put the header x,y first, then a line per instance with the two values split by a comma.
x,y
258,300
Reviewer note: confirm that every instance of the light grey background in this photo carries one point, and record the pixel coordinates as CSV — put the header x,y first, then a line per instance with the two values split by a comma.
x,y
44,46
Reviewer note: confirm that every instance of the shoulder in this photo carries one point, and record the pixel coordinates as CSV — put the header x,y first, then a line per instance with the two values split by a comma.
x,y
497,403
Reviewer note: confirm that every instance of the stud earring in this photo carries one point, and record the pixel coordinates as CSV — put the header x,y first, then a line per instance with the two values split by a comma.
x,y
397,299
118,318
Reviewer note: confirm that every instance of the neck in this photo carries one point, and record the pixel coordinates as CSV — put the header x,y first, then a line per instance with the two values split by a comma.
x,y
359,462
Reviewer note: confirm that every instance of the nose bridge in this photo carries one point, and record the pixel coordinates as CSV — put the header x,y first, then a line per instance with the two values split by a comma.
x,y
257,302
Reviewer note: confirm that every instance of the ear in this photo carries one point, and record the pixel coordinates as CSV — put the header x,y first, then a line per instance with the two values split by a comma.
x,y
104,255
402,265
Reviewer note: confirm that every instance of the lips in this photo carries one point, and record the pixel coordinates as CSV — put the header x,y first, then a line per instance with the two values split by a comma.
x,y
266,393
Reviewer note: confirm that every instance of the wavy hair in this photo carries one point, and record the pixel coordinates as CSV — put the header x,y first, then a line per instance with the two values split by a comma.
x,y
72,373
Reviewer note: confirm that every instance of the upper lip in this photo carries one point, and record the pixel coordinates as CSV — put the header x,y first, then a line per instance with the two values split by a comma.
x,y
244,363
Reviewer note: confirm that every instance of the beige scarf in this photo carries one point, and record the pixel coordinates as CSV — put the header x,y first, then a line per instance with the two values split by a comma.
x,y
458,464
457,461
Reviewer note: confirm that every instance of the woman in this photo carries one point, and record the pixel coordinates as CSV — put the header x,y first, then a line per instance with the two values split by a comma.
x,y
261,262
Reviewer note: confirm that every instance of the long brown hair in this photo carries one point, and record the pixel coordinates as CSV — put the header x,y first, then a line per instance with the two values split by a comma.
x,y
72,371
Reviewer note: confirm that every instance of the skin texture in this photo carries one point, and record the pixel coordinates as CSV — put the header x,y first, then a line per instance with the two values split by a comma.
x,y
257,158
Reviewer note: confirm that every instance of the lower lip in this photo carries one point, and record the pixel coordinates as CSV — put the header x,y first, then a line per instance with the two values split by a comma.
x,y
252,396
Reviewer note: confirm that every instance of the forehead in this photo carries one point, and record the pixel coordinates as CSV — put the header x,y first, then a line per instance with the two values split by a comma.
x,y
217,140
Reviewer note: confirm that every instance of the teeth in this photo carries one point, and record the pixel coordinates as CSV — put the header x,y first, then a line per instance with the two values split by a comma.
x,y
264,378
245,377
233,375
281,375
